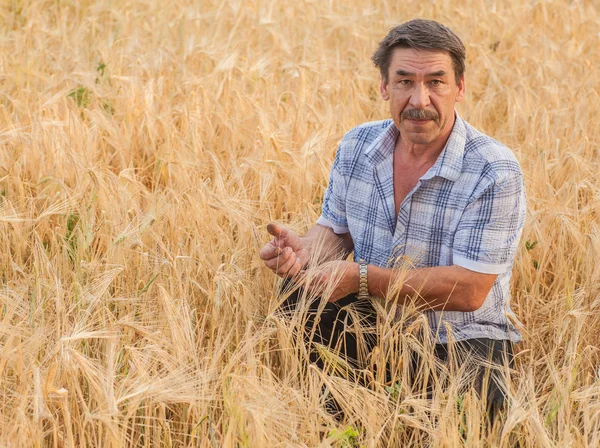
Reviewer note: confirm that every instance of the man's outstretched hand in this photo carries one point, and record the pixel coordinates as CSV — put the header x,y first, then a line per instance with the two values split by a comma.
x,y
285,254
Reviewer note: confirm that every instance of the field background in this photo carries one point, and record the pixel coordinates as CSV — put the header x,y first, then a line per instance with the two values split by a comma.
x,y
145,145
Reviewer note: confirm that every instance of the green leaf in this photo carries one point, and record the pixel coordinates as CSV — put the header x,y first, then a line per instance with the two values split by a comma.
x,y
530,245
147,286
81,96
347,437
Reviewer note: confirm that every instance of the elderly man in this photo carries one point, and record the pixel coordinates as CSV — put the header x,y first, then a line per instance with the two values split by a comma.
x,y
423,186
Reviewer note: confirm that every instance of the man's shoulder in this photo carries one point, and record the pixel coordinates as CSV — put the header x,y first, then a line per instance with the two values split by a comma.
x,y
357,141
366,132
355,144
481,149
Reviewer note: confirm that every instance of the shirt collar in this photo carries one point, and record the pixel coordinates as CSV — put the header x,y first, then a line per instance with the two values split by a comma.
x,y
448,164
450,161
383,145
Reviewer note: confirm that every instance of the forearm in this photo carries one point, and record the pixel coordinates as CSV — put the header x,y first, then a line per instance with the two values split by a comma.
x,y
324,244
450,288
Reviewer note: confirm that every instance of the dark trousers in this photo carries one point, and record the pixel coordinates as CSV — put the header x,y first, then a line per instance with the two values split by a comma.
x,y
332,327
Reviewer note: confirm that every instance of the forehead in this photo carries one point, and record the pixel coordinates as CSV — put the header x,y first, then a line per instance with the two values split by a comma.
x,y
420,61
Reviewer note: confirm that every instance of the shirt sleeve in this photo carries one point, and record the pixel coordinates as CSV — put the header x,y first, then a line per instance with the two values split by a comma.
x,y
333,214
489,231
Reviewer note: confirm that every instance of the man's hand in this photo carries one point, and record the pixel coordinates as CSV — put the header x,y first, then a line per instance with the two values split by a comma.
x,y
286,254
336,279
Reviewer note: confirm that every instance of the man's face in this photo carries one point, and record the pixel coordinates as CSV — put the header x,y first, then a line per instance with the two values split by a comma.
x,y
422,90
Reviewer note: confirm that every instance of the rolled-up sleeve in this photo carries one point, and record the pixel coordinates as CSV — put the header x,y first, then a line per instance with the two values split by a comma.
x,y
489,231
333,214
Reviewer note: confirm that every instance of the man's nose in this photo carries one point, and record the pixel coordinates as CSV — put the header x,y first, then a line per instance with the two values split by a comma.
x,y
420,97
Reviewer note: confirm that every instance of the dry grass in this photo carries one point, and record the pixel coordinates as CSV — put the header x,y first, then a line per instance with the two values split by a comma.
x,y
144,147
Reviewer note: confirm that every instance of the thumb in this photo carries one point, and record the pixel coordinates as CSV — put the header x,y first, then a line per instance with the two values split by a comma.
x,y
276,230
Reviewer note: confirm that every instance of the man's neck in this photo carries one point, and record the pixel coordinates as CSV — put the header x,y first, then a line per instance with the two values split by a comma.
x,y
413,153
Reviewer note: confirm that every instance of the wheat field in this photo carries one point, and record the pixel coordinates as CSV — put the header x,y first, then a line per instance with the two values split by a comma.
x,y
144,147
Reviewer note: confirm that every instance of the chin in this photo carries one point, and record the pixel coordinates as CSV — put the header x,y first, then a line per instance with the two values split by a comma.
x,y
419,139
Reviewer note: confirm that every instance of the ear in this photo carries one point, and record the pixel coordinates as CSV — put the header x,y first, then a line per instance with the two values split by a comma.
x,y
461,90
383,89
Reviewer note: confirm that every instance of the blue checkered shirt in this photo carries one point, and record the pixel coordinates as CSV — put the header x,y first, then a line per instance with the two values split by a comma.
x,y
468,210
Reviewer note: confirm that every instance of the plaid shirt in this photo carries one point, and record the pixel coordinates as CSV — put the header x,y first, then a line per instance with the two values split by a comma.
x,y
468,210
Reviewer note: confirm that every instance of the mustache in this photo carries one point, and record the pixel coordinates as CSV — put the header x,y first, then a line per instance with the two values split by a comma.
x,y
419,114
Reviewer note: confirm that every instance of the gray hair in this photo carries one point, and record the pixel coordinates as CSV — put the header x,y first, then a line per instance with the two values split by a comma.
x,y
420,34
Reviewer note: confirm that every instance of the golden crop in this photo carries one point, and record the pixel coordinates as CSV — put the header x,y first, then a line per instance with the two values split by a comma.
x,y
145,145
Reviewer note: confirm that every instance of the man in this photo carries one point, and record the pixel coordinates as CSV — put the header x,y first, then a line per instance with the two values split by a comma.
x,y
426,187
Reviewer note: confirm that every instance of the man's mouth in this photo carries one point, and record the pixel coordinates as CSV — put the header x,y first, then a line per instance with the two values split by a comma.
x,y
419,116
418,121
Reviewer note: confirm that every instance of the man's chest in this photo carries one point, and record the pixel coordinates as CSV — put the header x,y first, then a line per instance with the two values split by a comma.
x,y
392,217
405,178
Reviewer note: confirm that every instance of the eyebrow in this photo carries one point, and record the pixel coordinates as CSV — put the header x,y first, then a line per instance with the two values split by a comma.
x,y
405,73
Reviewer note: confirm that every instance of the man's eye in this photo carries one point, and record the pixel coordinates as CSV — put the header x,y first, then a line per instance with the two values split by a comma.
x,y
404,82
435,82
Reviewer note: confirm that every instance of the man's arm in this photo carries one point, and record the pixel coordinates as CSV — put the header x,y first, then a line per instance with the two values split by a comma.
x,y
485,244
450,288
326,245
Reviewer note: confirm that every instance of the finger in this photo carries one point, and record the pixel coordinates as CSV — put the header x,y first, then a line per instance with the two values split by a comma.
x,y
276,230
285,267
276,262
270,251
296,269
